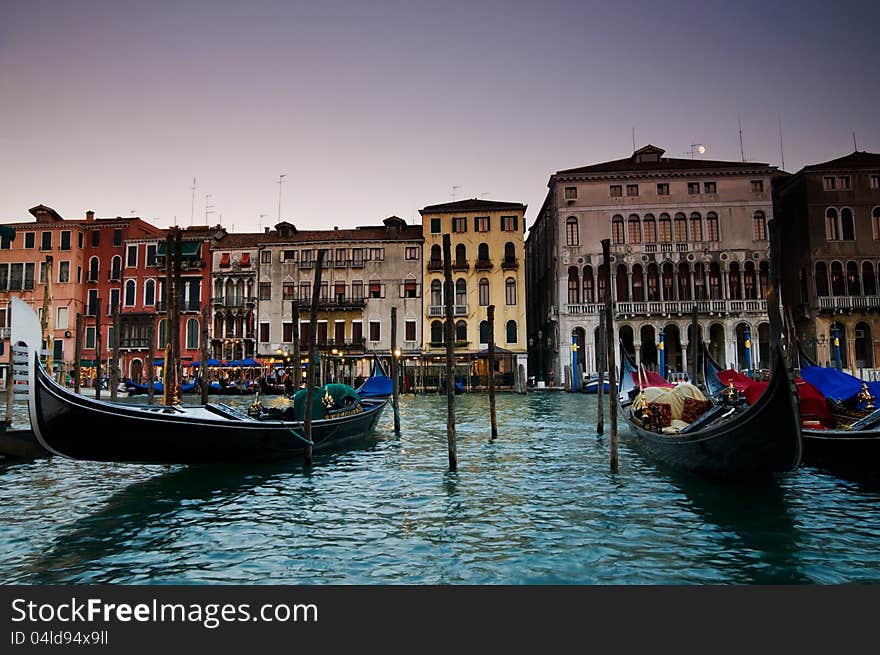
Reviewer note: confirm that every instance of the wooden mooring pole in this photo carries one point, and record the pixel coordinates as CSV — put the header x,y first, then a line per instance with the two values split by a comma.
x,y
114,345
151,355
77,351
313,348
610,349
204,367
600,364
99,353
490,317
449,331
394,374
297,364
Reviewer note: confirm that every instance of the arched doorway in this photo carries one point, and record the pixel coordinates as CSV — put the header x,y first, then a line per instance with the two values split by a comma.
x,y
579,337
864,346
627,341
844,350
672,346
763,354
716,344
135,370
741,330
648,337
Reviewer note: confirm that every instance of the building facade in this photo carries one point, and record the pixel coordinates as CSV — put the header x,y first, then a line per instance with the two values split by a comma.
x,y
487,251
830,221
686,234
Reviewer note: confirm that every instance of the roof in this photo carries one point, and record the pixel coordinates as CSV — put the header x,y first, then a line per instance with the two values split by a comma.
x,y
632,165
857,159
368,233
472,205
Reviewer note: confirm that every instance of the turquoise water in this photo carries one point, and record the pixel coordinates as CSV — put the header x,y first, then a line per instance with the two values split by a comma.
x,y
537,506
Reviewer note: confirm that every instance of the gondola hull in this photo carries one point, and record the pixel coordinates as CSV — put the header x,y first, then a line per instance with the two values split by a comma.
x,y
762,440
843,450
78,427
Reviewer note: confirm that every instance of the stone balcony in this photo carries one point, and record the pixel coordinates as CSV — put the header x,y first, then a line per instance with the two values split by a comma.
x,y
673,307
847,303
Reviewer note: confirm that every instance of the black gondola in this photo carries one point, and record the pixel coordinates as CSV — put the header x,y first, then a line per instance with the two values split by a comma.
x,y
733,441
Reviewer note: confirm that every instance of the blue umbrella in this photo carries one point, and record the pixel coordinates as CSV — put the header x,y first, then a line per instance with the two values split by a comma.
x,y
250,361
214,362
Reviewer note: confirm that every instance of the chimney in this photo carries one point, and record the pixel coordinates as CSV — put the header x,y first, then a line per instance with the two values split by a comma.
x,y
335,227
90,215
267,230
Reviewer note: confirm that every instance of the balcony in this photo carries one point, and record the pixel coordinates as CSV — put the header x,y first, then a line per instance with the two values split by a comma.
x,y
250,301
832,303
217,302
357,263
440,310
679,307
509,265
340,302
306,264
340,263
186,306
435,265
483,265
460,265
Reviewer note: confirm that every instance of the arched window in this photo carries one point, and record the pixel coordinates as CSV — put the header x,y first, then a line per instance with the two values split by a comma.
x,y
733,276
853,287
684,281
875,222
713,232
680,228
218,326
696,227
832,228
588,285
510,291
653,283
192,334
436,293
509,253
573,286
149,293
130,291
94,267
572,237
617,229
760,224
461,331
436,255
665,228
436,332
483,253
115,267
622,280
638,284
650,229
635,229
749,281
160,342
869,282
763,279
600,283
460,292
460,255
484,292
699,281
668,282
821,279
838,285
511,332
484,332
848,228
715,281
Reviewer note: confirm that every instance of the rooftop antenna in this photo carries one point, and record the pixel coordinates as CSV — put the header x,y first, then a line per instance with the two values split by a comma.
x,y
855,145
280,182
260,223
192,210
742,153
208,207
454,187
634,139
781,153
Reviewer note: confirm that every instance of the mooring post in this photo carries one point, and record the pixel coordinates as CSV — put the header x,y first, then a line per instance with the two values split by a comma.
x,y
313,347
394,381
695,342
204,367
490,317
449,331
98,348
297,364
600,364
77,350
114,365
151,354
610,349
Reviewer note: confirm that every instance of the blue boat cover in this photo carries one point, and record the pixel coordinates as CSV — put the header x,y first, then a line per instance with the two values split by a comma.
x,y
376,386
837,385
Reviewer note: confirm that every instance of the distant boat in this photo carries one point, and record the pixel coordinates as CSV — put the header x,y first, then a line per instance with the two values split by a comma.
x,y
136,388
591,385
378,385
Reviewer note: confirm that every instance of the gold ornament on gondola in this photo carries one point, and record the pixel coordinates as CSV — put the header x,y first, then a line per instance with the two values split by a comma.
x,y
328,400
866,397
730,393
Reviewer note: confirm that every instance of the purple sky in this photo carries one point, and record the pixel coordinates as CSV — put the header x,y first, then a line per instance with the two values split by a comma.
x,y
379,108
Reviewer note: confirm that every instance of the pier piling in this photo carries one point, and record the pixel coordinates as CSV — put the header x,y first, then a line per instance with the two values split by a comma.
x,y
610,351
449,331
490,316
313,346
600,364
394,376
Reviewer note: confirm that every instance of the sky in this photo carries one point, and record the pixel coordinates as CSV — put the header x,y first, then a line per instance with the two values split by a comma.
x,y
374,109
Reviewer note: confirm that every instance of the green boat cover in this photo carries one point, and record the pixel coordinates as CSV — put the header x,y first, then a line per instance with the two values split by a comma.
x,y
326,398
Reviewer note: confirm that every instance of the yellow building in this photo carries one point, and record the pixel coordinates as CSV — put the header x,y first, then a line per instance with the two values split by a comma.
x,y
487,248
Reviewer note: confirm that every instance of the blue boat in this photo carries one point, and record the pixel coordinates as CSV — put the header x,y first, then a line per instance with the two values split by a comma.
x,y
379,385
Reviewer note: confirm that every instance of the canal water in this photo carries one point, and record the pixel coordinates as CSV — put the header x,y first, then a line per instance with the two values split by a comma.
x,y
537,506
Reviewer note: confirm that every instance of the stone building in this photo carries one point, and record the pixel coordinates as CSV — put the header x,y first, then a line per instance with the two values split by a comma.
x,y
830,220
685,233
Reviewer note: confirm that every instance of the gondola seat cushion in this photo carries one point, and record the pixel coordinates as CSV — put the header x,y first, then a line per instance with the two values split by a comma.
x,y
659,415
694,409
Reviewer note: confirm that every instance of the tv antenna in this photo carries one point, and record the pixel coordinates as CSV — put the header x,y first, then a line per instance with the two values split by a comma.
x,y
742,153
260,223
454,187
208,207
781,153
192,210
698,148
279,183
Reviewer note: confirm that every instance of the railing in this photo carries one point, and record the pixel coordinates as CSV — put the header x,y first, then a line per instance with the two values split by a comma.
x,y
435,265
340,263
665,247
589,308
649,308
460,265
440,310
650,247
342,303
357,263
483,265
217,301
184,306
682,247
306,264
849,302
509,265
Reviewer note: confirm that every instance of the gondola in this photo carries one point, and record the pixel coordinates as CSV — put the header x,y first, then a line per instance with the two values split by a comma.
x,y
728,440
591,385
271,389
78,427
378,385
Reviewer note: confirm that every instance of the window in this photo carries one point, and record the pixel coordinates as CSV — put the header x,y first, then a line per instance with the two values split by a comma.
x,y
90,337
357,257
5,243
829,183
45,272
617,229
96,238
117,237
410,289
484,332
412,252
114,300
511,332
79,239
461,332
481,224
29,239
92,305
28,277
65,240
635,229
509,223
436,333
288,291
709,187
435,226
357,332
760,223
305,257
483,254
843,182
63,272
848,230
875,222
264,332
192,334
288,255
287,332
409,331
149,293
131,256
757,186
130,293
696,227
632,190
832,229
571,193
375,331
875,182
483,294
510,291
377,254
341,255
376,289
459,224
151,254
650,228
712,230
461,292
115,267
46,241
665,228
93,269
573,286
615,190
693,188
572,238
4,286
62,318
265,256
436,293
680,228
663,189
